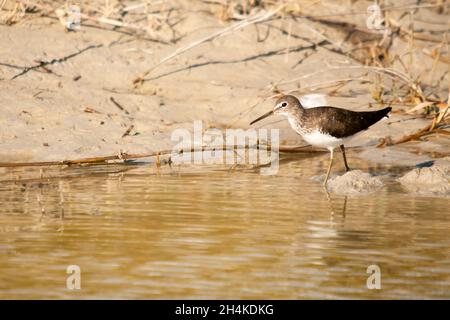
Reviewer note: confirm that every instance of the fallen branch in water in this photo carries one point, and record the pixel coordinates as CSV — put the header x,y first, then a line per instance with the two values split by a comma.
x,y
125,156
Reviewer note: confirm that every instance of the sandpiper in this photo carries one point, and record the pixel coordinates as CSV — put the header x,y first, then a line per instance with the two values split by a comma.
x,y
325,127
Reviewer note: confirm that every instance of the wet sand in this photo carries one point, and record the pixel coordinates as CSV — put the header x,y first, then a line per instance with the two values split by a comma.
x,y
84,104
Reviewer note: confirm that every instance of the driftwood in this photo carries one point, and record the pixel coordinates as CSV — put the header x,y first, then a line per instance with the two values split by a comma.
x,y
127,156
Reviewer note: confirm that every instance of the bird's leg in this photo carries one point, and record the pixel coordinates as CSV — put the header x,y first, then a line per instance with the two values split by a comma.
x,y
347,169
329,166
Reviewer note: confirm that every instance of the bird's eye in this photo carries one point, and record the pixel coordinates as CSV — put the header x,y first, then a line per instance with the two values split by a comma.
x,y
284,104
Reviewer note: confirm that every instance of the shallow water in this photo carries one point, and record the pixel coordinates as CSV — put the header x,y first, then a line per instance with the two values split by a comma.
x,y
218,233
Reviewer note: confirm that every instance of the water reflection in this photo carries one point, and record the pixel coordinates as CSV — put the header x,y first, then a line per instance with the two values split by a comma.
x,y
187,233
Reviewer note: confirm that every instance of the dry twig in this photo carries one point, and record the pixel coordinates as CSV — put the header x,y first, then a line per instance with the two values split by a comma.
x,y
237,26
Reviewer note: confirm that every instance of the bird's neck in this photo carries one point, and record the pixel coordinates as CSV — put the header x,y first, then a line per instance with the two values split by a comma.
x,y
295,118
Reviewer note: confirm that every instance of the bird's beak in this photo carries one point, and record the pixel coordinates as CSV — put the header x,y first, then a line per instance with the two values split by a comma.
x,y
262,117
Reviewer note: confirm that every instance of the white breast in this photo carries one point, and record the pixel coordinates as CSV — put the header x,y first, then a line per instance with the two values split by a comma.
x,y
315,138
319,139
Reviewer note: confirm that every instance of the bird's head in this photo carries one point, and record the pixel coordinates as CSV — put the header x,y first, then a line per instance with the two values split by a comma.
x,y
285,105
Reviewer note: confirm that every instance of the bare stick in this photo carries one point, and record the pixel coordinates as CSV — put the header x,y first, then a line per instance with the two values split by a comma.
x,y
125,156
118,105
42,64
127,133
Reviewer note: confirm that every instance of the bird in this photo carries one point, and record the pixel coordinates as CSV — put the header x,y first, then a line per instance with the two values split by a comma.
x,y
325,126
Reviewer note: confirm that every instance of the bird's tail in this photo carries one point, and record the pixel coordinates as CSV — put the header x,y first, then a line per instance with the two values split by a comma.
x,y
372,117
385,112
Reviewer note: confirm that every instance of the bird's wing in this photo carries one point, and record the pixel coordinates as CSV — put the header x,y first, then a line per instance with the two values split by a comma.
x,y
342,123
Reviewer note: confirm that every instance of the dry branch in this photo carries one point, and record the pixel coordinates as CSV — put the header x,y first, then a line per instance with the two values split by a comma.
x,y
388,71
262,16
43,64
118,105
127,132
435,126
125,156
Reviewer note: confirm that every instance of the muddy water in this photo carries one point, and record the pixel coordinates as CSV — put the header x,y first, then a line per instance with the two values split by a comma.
x,y
216,233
